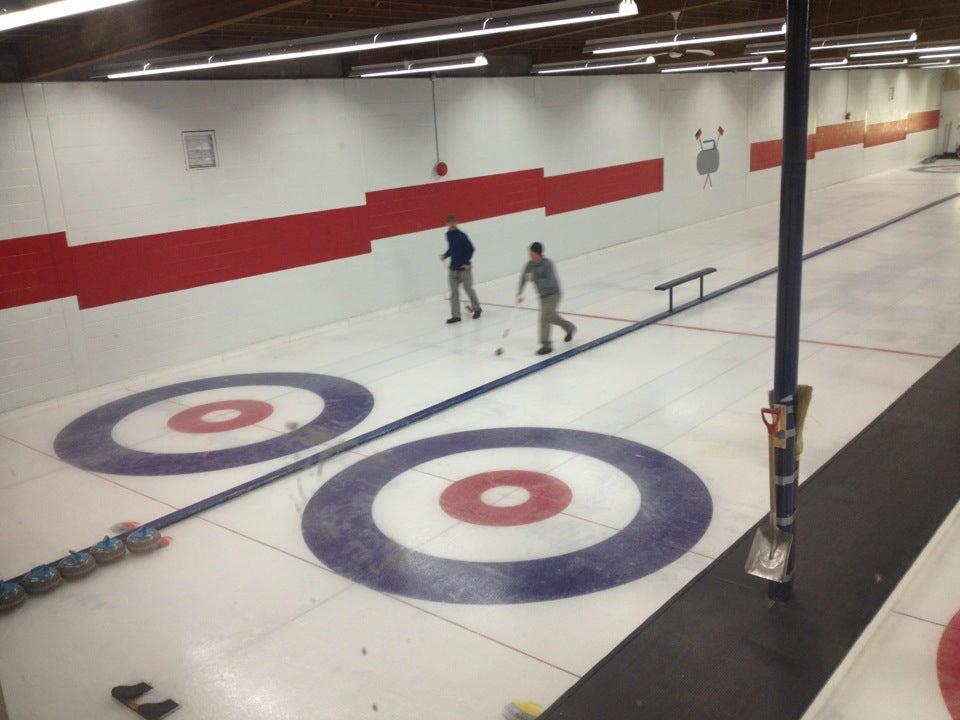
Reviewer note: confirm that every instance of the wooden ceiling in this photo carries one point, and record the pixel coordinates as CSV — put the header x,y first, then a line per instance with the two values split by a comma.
x,y
71,48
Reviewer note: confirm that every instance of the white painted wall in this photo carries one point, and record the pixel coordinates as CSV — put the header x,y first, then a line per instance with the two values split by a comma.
x,y
104,161
21,201
950,107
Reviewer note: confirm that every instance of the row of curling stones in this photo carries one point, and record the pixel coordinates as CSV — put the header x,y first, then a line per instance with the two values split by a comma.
x,y
44,578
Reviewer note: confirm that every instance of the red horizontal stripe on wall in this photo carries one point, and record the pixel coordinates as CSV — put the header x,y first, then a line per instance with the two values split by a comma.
x,y
766,154
44,267
885,132
578,190
920,121
34,269
425,207
769,153
830,137
119,270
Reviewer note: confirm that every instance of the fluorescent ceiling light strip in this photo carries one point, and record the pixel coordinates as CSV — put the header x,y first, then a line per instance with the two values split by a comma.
x,y
771,48
745,62
842,41
587,65
885,53
851,66
52,11
927,66
827,43
939,56
907,51
413,68
625,8
676,40
814,64
828,63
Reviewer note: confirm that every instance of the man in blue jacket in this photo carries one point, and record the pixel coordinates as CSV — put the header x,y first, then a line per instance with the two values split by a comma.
x,y
460,252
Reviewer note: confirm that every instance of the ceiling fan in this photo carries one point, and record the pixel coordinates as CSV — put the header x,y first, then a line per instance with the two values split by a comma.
x,y
678,52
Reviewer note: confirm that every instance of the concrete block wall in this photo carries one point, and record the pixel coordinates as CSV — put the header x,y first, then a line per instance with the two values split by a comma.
x,y
116,260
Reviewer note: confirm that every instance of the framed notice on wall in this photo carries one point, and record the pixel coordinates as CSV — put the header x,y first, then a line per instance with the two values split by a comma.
x,y
200,149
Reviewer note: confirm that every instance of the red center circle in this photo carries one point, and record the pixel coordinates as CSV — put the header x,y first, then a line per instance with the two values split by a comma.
x,y
192,419
464,499
948,667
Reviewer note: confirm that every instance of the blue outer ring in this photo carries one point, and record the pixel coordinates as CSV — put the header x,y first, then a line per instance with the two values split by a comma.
x,y
87,441
675,511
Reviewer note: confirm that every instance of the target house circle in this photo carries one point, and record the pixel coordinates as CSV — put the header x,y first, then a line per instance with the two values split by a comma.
x,y
948,666
198,419
545,496
87,442
339,528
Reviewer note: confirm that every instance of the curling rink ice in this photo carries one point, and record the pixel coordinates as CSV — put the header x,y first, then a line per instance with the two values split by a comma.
x,y
497,550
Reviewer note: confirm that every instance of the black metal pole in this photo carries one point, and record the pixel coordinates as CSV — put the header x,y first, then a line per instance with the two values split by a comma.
x,y
793,181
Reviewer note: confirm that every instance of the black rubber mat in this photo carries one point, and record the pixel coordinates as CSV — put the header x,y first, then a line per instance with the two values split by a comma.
x,y
718,650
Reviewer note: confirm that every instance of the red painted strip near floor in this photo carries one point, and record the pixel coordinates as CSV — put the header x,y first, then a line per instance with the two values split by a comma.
x,y
34,269
803,340
43,267
741,333
532,308
578,190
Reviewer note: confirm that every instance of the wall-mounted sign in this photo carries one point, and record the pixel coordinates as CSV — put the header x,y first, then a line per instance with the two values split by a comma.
x,y
200,149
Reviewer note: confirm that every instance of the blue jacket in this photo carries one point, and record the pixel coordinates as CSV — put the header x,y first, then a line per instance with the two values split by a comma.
x,y
459,249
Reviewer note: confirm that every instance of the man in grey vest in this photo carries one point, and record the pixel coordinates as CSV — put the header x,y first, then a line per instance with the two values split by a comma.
x,y
541,273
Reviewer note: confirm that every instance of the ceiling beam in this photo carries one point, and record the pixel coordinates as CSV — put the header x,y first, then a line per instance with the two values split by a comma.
x,y
117,32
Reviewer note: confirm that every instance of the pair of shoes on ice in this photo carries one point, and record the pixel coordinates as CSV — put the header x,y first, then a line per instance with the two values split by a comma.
x,y
476,314
548,348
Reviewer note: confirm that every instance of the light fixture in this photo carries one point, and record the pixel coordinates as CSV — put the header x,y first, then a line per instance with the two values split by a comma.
x,y
586,65
839,41
453,62
906,51
866,40
940,56
929,66
775,48
534,17
821,63
725,64
693,36
52,11
855,65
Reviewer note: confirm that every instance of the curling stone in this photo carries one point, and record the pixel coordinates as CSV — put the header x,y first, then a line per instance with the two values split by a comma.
x,y
76,565
522,710
11,595
41,579
108,550
143,540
